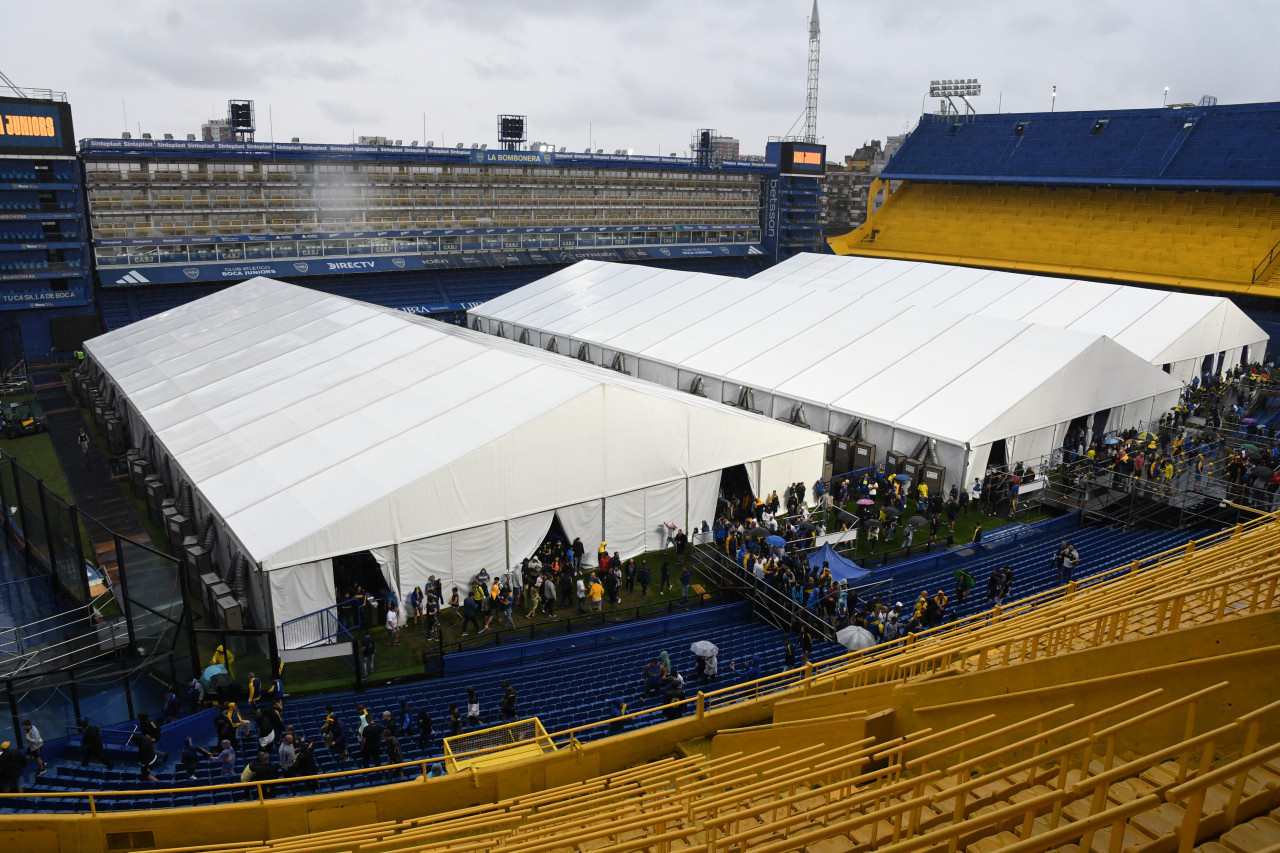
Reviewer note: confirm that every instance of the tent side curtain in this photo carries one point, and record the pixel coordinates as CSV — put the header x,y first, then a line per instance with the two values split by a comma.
x,y
582,521
386,558
299,590
525,534
664,504
977,464
624,523
704,494
455,558
797,466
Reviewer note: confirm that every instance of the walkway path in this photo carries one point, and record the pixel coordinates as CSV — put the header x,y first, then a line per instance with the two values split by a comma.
x,y
94,490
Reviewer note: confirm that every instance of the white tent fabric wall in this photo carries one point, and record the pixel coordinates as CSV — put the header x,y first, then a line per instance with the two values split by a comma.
x,y
299,590
624,521
583,521
524,535
315,426
664,504
704,493
425,557
779,472
386,559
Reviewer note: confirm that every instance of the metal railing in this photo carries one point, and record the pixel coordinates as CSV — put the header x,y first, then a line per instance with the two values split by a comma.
x,y
778,609
1266,262
320,627
580,621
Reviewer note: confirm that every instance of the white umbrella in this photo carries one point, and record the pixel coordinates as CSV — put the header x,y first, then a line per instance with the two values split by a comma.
x,y
855,638
704,649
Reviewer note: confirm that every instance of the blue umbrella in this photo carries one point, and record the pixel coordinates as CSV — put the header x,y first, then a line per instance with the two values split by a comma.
x,y
1112,440
775,541
902,478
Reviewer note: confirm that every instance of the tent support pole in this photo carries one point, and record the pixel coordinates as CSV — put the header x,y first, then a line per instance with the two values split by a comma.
x,y
506,526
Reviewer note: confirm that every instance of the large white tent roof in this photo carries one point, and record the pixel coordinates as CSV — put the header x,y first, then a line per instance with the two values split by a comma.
x,y
1160,326
315,425
967,377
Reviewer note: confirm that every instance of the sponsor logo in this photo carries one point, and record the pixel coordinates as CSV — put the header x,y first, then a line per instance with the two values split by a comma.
x,y
399,262
754,250
191,272
133,277
349,265
302,266
665,251
724,250
428,261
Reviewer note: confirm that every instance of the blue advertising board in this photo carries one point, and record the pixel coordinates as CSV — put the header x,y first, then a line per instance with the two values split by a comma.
x,y
14,295
207,272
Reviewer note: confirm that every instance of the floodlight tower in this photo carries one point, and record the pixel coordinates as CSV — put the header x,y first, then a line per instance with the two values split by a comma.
x,y
964,89
811,92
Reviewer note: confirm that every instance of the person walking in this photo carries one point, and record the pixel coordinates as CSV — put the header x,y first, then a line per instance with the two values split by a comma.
x,y
83,441
1069,562
34,744
91,745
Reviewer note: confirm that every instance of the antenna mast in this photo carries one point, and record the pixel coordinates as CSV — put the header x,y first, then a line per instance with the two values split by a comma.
x,y
811,95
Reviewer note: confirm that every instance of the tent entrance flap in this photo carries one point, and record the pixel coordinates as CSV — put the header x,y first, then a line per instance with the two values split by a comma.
x,y
554,544
736,492
999,457
354,574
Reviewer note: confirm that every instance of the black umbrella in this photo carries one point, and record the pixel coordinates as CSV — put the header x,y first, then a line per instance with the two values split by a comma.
x,y
917,521
892,511
758,533
807,525
1262,472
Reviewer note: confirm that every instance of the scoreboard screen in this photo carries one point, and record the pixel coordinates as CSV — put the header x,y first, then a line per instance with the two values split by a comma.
x,y
803,158
36,128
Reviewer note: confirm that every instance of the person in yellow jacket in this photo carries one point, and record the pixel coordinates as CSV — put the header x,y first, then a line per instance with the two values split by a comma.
x,y
222,657
238,723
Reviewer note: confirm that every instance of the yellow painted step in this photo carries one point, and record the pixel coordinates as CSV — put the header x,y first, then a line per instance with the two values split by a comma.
x,y
1258,834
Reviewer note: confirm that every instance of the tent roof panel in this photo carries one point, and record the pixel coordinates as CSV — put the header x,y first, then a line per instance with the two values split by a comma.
x,y
290,410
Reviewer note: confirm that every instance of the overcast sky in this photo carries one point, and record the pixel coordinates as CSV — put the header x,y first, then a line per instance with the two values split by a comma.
x,y
615,74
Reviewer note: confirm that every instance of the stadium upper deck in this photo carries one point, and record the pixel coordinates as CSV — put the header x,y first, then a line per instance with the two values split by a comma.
x,y
1233,146
165,212
1185,197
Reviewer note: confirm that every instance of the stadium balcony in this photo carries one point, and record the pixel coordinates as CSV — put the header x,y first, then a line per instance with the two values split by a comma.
x,y
1200,240
1133,709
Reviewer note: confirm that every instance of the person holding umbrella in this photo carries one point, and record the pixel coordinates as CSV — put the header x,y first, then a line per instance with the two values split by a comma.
x,y
706,654
964,583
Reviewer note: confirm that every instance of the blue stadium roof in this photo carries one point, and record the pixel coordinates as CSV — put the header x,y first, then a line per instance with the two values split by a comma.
x,y
1220,147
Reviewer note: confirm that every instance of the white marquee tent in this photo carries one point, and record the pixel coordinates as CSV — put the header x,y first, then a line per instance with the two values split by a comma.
x,y
1191,333
312,426
791,351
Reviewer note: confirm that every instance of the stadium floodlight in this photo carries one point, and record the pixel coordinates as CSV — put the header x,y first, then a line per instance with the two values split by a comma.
x,y
954,88
1165,102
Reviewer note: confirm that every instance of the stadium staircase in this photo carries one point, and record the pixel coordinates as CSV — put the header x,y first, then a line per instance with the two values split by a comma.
x,y
1207,240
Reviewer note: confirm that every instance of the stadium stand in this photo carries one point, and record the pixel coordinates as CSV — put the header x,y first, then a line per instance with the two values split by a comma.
x,y
1133,710
1183,197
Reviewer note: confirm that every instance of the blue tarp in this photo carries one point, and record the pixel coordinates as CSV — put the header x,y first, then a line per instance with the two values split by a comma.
x,y
842,568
